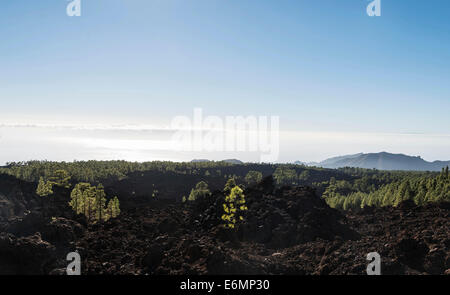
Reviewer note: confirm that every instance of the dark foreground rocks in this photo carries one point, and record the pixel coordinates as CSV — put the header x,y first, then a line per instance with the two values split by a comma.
x,y
286,231
25,255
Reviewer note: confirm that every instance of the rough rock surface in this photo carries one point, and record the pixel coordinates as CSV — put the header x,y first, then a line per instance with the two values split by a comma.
x,y
286,231
300,234
26,255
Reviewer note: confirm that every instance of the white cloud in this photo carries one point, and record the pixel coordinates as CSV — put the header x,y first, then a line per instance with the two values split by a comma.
x,y
140,142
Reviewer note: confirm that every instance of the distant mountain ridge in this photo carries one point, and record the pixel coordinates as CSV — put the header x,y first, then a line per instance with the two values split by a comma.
x,y
233,161
382,161
200,161
230,161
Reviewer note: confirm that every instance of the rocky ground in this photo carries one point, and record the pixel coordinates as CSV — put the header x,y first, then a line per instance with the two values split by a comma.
x,y
286,231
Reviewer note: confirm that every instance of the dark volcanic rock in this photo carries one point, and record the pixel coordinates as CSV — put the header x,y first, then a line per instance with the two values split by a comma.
x,y
281,219
153,257
17,197
26,225
27,255
285,231
411,252
62,231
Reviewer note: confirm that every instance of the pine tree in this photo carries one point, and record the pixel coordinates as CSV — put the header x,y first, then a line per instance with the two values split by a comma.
x,y
234,208
80,197
110,209
200,190
305,175
44,189
60,178
231,183
76,197
113,207
100,200
89,200
253,177
116,207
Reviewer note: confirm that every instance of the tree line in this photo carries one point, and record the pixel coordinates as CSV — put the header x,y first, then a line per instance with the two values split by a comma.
x,y
420,189
360,186
85,198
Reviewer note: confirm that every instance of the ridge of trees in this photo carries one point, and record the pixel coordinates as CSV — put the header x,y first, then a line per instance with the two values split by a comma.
x,y
420,189
58,178
361,186
91,202
85,199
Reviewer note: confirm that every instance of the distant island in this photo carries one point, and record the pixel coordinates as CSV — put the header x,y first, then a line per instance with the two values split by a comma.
x,y
230,161
380,161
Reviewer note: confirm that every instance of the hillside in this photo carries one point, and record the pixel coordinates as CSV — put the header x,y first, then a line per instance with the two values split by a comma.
x,y
286,231
382,161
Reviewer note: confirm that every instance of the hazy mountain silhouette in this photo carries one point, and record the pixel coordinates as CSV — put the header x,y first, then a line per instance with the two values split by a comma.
x,y
233,161
230,161
200,160
382,161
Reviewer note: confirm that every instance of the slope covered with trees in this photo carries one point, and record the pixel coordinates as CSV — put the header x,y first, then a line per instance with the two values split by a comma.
x,y
419,189
234,219
342,188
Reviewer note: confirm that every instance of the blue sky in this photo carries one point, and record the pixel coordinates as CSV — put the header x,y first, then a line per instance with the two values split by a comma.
x,y
322,66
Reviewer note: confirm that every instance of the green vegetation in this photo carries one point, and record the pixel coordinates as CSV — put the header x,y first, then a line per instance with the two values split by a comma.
x,y
59,178
96,171
285,176
85,199
90,201
342,188
253,177
44,188
420,189
113,208
231,183
234,206
304,175
200,190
